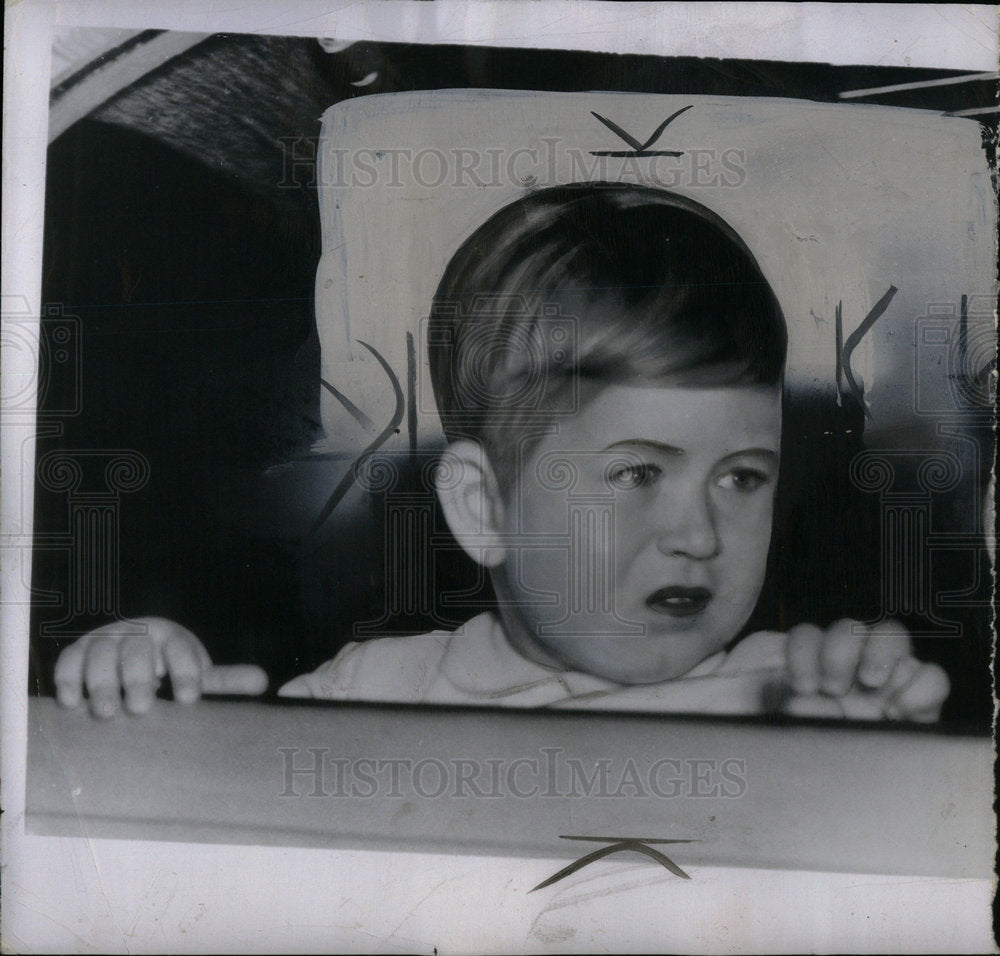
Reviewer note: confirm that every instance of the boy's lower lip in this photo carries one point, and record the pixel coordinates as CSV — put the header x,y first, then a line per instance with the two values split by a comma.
x,y
679,601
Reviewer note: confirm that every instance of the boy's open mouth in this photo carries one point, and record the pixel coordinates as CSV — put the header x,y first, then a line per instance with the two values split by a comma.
x,y
679,601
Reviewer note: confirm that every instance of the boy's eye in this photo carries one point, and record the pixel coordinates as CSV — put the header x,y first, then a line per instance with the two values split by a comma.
x,y
630,477
744,479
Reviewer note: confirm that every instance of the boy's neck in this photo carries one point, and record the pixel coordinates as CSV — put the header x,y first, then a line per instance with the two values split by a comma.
x,y
515,631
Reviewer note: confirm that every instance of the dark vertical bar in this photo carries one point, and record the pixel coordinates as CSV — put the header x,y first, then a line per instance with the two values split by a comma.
x,y
963,340
839,375
411,397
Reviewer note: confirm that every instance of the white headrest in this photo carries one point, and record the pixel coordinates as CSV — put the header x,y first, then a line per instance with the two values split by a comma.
x,y
837,202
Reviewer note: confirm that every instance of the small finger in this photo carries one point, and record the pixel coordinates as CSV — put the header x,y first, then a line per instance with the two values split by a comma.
x,y
138,666
888,643
860,704
183,666
839,657
905,670
802,653
164,631
234,679
101,676
922,697
68,674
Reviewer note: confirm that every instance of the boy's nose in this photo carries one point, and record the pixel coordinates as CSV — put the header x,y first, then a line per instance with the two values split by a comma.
x,y
687,527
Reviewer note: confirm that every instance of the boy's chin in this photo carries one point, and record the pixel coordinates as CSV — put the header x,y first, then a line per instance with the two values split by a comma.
x,y
616,663
633,659
637,678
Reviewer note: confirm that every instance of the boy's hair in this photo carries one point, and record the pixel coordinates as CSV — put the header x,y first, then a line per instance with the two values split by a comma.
x,y
590,284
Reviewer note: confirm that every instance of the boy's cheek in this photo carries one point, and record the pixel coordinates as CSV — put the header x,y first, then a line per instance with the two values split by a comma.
x,y
537,574
754,511
750,528
535,511
547,580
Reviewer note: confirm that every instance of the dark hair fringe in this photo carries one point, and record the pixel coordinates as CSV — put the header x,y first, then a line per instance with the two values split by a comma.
x,y
645,285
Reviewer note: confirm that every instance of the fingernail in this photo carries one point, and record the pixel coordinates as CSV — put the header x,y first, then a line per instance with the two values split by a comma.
x,y
873,676
835,688
185,692
806,686
69,698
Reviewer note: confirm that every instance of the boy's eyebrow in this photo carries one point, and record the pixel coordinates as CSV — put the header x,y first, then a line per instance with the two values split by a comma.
x,y
762,452
647,443
666,449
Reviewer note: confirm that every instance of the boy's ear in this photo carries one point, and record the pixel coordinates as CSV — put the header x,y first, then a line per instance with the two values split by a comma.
x,y
470,497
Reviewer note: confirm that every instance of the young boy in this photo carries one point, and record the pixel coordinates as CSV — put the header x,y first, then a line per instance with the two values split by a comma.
x,y
607,362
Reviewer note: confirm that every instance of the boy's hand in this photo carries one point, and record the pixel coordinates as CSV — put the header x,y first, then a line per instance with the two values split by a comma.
x,y
864,673
111,660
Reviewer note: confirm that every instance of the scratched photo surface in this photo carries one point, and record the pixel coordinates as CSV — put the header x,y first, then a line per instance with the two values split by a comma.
x,y
238,428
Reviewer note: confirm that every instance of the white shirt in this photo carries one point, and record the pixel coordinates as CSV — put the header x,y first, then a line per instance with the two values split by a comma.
x,y
475,664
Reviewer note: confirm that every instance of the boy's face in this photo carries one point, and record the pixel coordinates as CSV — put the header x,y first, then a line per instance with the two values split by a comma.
x,y
640,530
